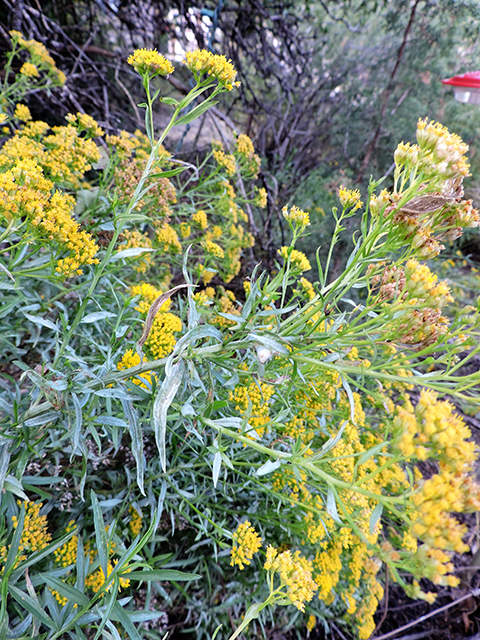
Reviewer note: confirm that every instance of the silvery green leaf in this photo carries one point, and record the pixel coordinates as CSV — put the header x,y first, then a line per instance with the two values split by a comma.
x,y
351,400
164,398
266,341
100,533
113,393
44,418
332,506
329,444
137,441
133,252
375,517
268,467
197,333
42,322
78,425
217,465
4,461
14,486
97,315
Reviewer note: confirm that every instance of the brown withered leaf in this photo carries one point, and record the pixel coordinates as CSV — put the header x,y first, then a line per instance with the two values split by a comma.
x,y
152,312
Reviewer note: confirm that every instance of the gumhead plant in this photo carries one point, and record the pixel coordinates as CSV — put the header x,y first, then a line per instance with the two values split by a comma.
x,y
266,447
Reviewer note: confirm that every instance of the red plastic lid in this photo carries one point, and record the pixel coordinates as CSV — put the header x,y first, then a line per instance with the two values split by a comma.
x,y
465,80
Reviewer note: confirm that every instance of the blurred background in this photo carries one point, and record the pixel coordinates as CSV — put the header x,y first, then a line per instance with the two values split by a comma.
x,y
328,87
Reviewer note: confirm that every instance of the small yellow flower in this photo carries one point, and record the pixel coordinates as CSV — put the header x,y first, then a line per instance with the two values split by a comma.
x,y
246,542
149,61
296,216
297,259
295,573
29,70
349,198
22,112
201,62
200,219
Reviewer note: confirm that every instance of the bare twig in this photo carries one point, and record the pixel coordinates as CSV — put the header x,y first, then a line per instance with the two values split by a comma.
x,y
390,634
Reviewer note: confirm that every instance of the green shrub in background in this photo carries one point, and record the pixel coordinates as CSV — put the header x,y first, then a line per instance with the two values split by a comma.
x,y
155,429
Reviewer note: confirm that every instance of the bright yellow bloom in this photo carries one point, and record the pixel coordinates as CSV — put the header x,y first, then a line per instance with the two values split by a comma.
x,y
167,238
297,258
149,61
29,70
295,573
200,219
261,199
201,62
226,161
135,523
148,294
246,542
131,359
161,340
67,553
22,112
214,249
96,580
349,198
296,216
244,146
35,535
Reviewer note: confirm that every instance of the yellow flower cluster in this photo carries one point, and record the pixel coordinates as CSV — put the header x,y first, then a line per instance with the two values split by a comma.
x,y
444,152
22,112
29,70
435,430
85,123
214,249
295,573
422,283
200,219
246,542
131,359
296,217
349,198
262,198
135,523
25,192
150,62
67,553
64,155
297,259
226,161
35,535
161,339
39,58
148,294
167,238
97,579
201,62
244,146
257,396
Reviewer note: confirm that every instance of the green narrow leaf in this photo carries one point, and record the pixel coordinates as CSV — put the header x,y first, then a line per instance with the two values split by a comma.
x,y
126,622
137,441
163,400
100,533
33,607
375,517
108,609
332,506
195,113
66,590
160,575
13,551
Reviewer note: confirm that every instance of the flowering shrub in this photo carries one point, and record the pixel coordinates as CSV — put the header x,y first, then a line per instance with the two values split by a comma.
x,y
265,448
